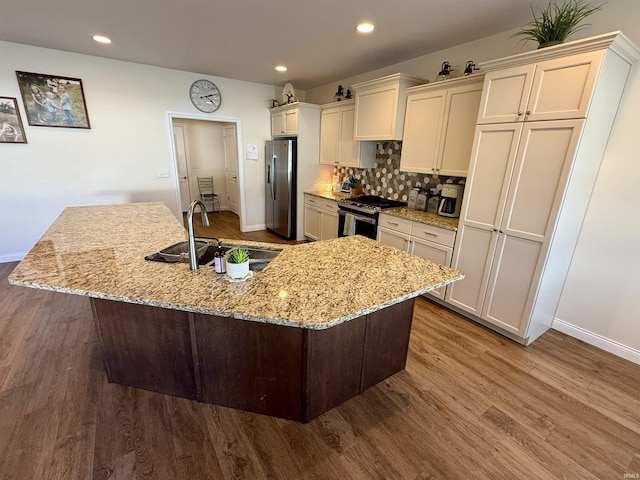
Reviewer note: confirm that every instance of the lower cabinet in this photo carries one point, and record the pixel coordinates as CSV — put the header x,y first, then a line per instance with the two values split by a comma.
x,y
425,241
320,218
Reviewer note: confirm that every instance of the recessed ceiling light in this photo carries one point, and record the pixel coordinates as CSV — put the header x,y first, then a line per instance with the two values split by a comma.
x,y
365,27
281,68
101,39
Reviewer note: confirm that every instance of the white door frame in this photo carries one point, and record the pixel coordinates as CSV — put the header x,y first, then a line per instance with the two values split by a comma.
x,y
208,118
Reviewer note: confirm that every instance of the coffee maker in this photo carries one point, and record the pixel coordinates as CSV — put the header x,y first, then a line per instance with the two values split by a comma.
x,y
450,200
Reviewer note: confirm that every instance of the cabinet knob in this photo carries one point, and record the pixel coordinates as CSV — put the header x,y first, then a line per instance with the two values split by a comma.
x,y
528,112
519,114
495,229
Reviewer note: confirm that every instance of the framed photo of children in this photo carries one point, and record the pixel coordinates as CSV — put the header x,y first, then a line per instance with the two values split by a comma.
x,y
11,130
53,101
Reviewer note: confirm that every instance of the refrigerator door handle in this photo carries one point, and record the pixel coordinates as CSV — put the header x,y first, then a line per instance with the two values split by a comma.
x,y
273,183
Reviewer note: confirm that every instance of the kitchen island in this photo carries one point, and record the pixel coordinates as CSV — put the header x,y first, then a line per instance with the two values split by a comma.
x,y
320,324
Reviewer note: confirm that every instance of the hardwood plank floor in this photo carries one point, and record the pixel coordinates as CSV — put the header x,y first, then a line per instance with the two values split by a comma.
x,y
470,404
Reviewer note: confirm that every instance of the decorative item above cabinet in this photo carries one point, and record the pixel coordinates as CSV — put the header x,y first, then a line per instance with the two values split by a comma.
x,y
439,125
380,107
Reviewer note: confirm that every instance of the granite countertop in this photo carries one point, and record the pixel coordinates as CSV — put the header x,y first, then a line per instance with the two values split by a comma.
x,y
329,195
401,212
99,251
423,217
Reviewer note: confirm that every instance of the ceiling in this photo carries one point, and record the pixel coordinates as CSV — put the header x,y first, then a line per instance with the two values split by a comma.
x,y
246,39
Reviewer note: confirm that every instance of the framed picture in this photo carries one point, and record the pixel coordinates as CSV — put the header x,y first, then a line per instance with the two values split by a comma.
x,y
53,101
11,130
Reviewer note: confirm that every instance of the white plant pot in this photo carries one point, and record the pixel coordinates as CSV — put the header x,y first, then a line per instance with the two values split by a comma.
x,y
238,270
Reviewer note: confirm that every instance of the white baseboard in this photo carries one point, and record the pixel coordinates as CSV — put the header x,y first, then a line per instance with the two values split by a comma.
x,y
254,228
596,340
12,257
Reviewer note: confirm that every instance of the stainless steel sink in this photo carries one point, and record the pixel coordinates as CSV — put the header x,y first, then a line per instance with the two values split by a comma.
x,y
259,257
180,251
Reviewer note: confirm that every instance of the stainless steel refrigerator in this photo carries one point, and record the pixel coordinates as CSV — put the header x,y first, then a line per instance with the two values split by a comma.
x,y
280,175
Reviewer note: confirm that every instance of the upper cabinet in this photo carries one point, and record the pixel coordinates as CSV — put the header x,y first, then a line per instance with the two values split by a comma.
x,y
439,126
337,146
554,89
380,107
284,120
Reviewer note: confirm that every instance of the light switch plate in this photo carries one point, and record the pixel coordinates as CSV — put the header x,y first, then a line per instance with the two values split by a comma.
x,y
252,151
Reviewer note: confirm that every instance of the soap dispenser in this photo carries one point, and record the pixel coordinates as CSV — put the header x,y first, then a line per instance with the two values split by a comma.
x,y
219,261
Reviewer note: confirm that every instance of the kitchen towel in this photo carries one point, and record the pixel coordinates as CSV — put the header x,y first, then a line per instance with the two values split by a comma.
x,y
349,225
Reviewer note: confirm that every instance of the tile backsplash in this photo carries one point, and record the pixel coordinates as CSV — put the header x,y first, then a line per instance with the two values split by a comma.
x,y
386,179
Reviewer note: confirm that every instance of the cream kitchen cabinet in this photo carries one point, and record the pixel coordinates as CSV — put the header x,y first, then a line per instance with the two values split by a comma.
x,y
528,190
426,241
380,107
337,146
284,120
440,121
555,89
320,218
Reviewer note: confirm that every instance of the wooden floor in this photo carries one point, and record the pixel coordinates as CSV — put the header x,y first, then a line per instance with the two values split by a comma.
x,y
470,405
227,225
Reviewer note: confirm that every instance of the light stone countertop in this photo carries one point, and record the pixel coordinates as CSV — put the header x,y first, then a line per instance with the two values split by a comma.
x,y
423,217
401,212
99,251
329,195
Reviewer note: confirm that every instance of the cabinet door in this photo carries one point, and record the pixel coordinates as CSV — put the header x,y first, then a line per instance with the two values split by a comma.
x,y
505,94
435,253
473,255
291,122
461,112
562,88
277,124
376,113
543,163
329,225
312,222
393,239
329,136
494,155
513,283
422,131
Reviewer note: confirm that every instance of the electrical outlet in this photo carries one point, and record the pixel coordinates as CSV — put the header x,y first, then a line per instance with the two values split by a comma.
x,y
163,173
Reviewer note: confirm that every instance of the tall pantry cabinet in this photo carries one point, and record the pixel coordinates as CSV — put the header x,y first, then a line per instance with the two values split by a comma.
x,y
543,125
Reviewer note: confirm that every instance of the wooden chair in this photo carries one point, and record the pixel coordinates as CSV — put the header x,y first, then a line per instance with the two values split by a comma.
x,y
207,195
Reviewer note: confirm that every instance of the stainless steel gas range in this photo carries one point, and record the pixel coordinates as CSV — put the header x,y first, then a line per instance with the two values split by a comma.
x,y
359,215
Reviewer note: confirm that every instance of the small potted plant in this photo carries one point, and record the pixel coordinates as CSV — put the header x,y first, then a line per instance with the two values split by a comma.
x,y
238,263
555,23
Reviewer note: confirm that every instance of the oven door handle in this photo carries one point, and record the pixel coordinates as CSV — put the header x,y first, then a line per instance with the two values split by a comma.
x,y
358,218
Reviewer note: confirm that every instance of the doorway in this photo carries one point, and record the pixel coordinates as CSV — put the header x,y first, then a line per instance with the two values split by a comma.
x,y
207,147
231,166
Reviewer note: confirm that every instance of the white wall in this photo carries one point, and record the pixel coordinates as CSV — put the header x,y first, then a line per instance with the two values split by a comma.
x,y
119,158
600,302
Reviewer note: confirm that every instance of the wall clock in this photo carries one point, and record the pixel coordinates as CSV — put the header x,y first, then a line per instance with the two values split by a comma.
x,y
205,96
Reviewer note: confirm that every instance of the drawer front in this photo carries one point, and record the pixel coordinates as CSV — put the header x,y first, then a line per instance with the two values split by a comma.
x,y
433,234
394,223
329,205
322,203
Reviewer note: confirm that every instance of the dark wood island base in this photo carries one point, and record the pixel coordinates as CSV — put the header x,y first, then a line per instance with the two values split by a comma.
x,y
281,371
